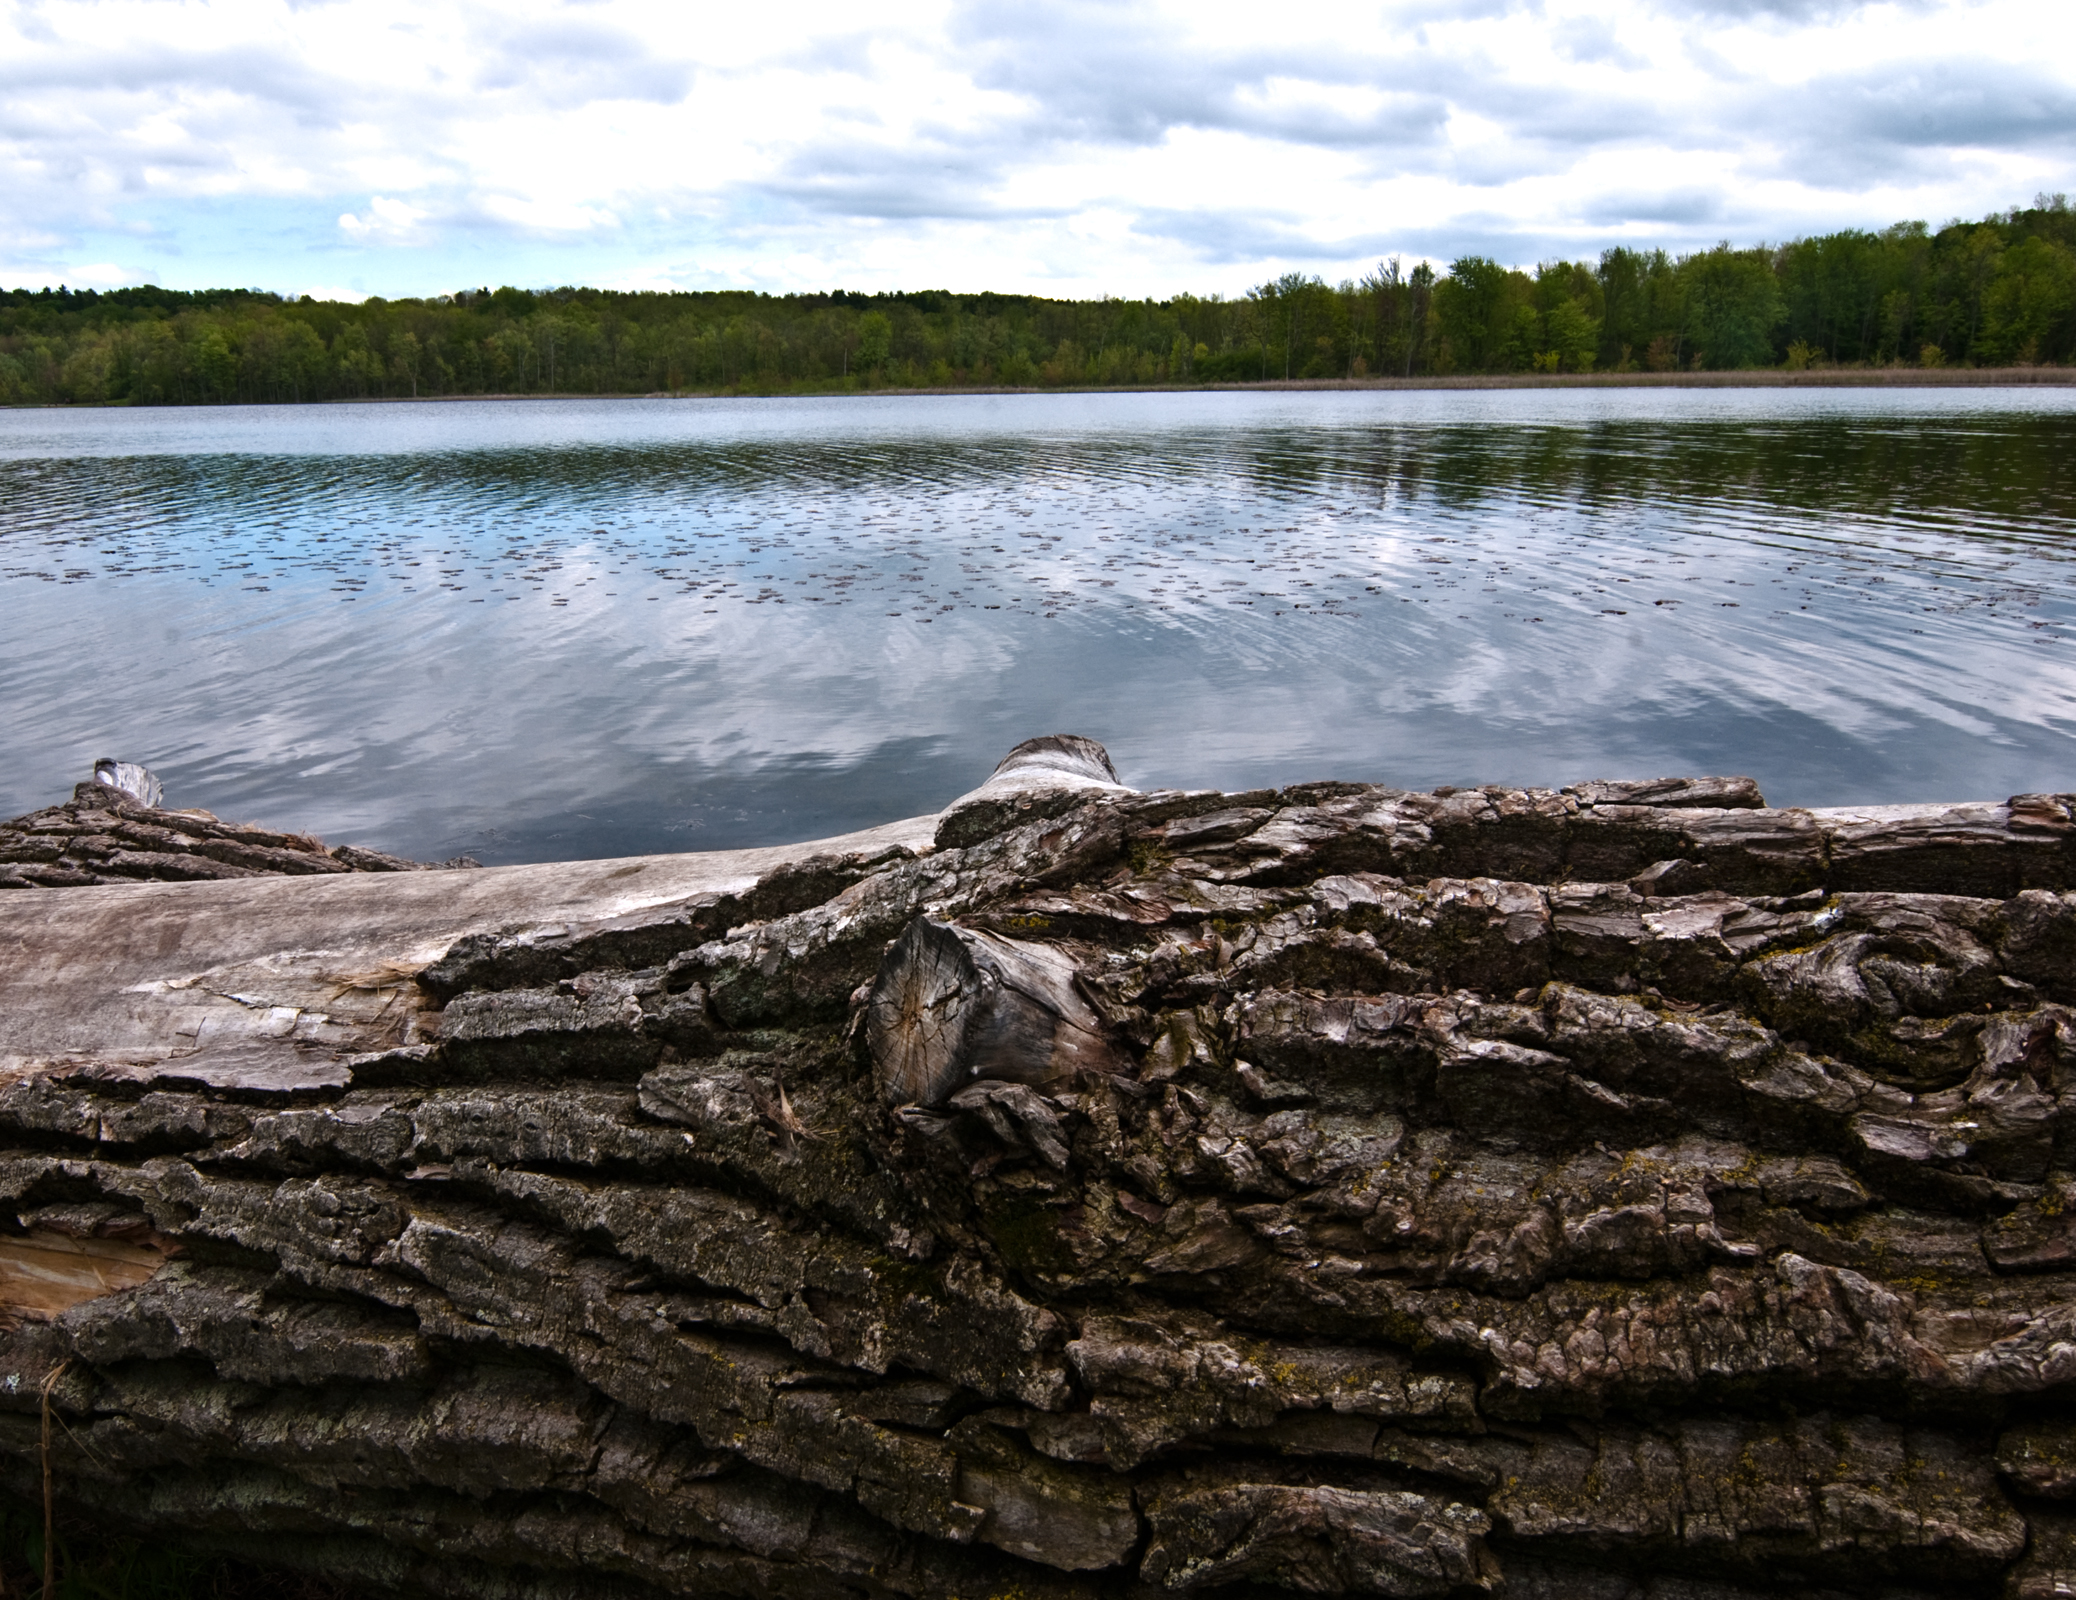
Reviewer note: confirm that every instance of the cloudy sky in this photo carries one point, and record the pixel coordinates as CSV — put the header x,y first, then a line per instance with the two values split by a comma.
x,y
385,147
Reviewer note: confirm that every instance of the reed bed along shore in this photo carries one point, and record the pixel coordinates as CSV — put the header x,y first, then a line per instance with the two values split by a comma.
x,y
1757,378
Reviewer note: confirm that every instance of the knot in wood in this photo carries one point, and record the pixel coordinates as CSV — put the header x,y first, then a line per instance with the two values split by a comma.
x,y
953,1005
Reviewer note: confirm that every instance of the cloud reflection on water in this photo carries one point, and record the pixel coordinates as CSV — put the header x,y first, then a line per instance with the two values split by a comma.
x,y
585,628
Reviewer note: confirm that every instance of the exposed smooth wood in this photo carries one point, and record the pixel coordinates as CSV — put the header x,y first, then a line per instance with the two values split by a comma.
x,y
1040,778
1058,754
43,1273
125,976
138,782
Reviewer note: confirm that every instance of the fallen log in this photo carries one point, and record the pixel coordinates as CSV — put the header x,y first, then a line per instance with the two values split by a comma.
x,y
1616,1190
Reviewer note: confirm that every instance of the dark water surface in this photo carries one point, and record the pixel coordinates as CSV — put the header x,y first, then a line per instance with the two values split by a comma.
x,y
555,629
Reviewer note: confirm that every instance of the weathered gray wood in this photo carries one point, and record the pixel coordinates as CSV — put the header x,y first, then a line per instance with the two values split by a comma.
x,y
1040,778
134,974
138,782
1069,754
952,1005
1674,792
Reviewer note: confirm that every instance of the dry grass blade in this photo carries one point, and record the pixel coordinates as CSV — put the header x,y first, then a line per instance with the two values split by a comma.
x,y
779,1116
50,1543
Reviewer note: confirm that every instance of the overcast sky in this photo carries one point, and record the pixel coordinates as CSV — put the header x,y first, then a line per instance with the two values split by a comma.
x,y
383,147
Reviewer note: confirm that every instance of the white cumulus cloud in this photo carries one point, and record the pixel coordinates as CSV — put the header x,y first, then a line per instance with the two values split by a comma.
x,y
1083,146
386,221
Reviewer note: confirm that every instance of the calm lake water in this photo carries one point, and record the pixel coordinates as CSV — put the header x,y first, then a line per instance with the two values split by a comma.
x,y
558,629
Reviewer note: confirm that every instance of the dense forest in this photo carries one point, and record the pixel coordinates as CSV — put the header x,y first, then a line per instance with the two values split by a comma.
x,y
1993,293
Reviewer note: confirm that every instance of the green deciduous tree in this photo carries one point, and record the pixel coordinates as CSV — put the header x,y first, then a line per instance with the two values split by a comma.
x,y
1999,290
1475,315
1734,303
875,340
2029,301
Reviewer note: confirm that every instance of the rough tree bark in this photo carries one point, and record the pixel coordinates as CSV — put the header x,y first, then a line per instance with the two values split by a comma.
x,y
113,830
1613,1191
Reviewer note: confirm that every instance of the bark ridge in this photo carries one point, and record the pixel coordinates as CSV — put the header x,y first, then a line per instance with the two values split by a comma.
x,y
1615,1191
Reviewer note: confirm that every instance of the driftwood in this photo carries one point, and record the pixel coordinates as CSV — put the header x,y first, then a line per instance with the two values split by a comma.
x,y
1618,1191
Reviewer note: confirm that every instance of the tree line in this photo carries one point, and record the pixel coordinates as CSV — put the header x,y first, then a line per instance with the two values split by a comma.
x,y
1992,293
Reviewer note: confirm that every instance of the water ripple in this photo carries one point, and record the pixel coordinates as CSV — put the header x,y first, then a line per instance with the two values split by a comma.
x,y
540,632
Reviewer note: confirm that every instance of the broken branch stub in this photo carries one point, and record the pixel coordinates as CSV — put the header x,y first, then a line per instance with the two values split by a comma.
x,y
1060,755
951,1006
1040,778
140,783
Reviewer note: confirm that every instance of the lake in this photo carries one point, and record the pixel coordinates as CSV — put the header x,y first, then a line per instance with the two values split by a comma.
x,y
538,630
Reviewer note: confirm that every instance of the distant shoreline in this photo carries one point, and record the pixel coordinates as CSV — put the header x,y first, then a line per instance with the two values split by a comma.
x,y
1755,378
1758,378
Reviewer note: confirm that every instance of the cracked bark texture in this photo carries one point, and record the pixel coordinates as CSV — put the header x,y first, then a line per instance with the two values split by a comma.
x,y
105,834
1619,1191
